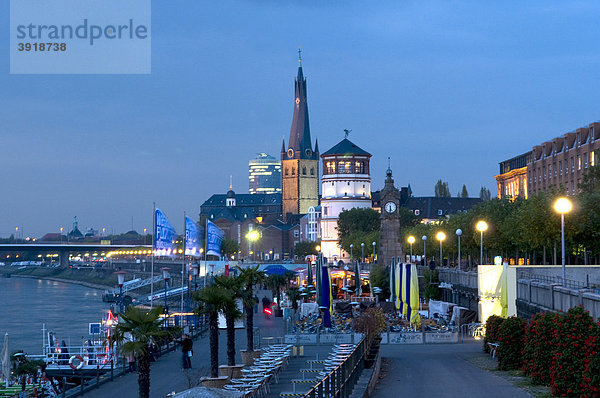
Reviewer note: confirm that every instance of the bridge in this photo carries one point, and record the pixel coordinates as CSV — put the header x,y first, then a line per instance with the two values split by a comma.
x,y
64,249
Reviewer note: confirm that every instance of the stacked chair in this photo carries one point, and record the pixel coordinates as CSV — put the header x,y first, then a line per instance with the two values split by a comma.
x,y
256,378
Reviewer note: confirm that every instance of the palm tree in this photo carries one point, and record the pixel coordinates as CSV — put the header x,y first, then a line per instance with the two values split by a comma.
x,y
135,331
250,276
233,286
211,300
276,282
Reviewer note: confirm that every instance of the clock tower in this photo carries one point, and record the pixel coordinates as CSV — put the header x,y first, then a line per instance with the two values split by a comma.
x,y
390,239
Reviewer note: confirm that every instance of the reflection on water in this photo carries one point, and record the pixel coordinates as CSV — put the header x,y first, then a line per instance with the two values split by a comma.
x,y
26,304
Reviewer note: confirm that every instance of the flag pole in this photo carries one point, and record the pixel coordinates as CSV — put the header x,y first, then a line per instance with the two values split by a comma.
x,y
205,246
183,260
153,250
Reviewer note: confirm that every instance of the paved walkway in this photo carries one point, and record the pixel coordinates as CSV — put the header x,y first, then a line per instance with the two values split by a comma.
x,y
439,370
167,375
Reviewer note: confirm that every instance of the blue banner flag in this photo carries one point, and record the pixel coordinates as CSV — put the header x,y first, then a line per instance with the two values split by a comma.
x,y
164,235
192,238
214,239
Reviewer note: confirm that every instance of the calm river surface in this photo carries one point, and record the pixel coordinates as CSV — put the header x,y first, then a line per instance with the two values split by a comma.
x,y
65,308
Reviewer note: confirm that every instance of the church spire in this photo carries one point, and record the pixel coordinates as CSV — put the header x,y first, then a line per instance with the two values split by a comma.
x,y
299,140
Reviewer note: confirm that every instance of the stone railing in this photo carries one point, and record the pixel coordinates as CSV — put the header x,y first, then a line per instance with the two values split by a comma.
x,y
534,296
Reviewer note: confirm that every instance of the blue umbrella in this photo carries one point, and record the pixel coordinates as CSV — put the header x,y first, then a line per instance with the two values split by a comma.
x,y
276,269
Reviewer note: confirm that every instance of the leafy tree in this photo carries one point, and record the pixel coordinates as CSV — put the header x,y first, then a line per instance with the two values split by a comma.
x,y
136,329
356,226
233,287
305,248
442,189
591,178
229,247
464,193
380,277
485,194
250,276
407,218
211,300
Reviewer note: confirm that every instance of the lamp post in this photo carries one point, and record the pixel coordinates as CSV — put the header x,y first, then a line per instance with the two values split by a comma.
x,y
441,236
562,206
351,247
165,273
481,227
362,245
121,281
411,240
459,233
424,238
374,243
252,237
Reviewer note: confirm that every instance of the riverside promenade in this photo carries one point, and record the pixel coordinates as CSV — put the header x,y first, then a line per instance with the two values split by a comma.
x,y
439,370
167,375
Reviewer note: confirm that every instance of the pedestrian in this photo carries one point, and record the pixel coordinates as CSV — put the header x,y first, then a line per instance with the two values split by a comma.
x,y
131,361
187,346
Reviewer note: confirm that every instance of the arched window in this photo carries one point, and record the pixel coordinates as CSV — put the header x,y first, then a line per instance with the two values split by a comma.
x,y
304,171
293,171
286,171
312,171
330,167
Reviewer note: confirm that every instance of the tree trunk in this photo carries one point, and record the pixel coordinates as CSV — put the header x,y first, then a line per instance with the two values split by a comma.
x,y
144,375
544,254
230,339
249,329
213,327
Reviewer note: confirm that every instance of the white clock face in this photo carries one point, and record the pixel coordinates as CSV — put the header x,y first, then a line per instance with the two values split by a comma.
x,y
390,207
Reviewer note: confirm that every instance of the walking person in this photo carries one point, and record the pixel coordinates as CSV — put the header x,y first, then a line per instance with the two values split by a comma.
x,y
187,346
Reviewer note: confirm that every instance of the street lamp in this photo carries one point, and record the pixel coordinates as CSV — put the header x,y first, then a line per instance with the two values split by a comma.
x,y
351,247
374,243
121,281
411,240
362,245
459,233
441,236
252,237
165,273
481,227
424,238
562,206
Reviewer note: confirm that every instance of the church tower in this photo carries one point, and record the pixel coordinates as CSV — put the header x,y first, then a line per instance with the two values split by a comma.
x,y
299,162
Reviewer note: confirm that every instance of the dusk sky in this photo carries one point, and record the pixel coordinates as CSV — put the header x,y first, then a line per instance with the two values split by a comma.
x,y
446,89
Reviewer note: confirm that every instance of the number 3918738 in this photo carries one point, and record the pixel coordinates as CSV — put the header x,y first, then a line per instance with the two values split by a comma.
x,y
42,46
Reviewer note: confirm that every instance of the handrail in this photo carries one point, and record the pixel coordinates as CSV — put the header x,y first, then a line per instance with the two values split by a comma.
x,y
337,382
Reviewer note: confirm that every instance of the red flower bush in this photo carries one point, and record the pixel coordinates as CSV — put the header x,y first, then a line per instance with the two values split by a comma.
x,y
511,337
574,335
591,365
540,347
492,327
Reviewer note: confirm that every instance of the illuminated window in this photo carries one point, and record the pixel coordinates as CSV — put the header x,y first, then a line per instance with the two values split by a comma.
x,y
359,167
592,159
330,167
579,162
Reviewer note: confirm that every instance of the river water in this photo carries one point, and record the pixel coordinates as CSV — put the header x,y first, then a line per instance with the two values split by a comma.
x,y
65,308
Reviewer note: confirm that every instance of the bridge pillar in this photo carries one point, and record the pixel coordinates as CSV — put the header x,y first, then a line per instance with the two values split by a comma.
x,y
63,258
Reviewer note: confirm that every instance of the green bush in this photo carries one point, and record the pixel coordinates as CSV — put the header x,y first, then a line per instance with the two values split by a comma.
x,y
540,347
511,337
492,326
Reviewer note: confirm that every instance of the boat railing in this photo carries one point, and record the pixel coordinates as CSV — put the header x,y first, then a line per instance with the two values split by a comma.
x,y
92,355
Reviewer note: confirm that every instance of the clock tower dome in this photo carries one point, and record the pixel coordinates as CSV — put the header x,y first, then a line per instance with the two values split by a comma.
x,y
390,239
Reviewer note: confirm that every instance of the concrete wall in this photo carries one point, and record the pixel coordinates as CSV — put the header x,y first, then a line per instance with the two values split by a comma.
x,y
580,273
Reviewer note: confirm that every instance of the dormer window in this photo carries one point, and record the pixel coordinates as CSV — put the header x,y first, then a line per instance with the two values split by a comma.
x,y
417,212
440,212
